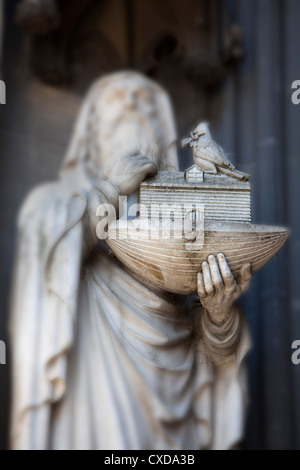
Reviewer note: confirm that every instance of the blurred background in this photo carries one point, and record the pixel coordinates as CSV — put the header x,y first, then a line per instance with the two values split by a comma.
x,y
231,62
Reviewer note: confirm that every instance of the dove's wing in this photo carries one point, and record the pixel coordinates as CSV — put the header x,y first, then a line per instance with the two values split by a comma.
x,y
227,163
212,152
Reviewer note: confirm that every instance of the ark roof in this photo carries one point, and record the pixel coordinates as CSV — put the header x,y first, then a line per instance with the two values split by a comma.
x,y
174,179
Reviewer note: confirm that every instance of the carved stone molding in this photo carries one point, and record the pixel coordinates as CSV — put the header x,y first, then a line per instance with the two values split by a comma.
x,y
80,40
38,17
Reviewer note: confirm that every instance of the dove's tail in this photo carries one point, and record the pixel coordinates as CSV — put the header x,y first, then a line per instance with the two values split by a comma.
x,y
239,175
229,165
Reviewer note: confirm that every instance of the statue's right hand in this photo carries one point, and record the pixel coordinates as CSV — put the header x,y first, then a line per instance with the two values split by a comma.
x,y
128,172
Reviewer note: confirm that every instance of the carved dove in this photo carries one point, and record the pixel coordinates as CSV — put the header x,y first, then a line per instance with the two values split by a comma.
x,y
208,155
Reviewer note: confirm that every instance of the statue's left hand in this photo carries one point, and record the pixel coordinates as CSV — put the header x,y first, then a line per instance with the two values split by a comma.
x,y
217,288
127,172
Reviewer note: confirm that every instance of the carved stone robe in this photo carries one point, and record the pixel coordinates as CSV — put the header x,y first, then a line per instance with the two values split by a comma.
x,y
102,361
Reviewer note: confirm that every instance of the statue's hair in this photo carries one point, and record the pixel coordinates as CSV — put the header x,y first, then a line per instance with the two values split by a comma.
x,y
82,152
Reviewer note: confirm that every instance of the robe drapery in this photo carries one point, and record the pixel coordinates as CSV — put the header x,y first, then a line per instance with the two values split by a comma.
x,y
100,360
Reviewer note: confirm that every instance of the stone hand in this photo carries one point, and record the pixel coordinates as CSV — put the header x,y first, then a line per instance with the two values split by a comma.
x,y
217,288
128,172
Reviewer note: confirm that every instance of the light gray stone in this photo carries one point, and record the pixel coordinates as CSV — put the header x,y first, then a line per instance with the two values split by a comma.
x,y
103,359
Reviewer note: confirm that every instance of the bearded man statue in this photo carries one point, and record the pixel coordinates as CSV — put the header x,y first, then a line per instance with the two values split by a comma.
x,y
102,359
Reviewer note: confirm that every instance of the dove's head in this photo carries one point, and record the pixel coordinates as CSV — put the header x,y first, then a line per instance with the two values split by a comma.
x,y
200,130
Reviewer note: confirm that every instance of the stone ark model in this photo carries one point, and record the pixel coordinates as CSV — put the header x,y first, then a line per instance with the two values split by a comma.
x,y
185,217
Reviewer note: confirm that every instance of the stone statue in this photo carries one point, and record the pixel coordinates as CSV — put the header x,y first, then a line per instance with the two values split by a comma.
x,y
102,359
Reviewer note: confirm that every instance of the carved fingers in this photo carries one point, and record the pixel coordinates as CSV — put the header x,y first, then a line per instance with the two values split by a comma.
x,y
200,286
245,277
207,279
215,276
217,288
147,166
144,167
204,282
227,275
129,171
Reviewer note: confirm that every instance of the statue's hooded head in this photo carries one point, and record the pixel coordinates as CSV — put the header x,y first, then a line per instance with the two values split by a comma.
x,y
123,113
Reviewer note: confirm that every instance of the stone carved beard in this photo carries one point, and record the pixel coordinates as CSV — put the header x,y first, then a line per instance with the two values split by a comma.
x,y
123,113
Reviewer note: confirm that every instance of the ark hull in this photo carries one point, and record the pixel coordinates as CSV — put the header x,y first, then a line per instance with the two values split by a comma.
x,y
173,264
